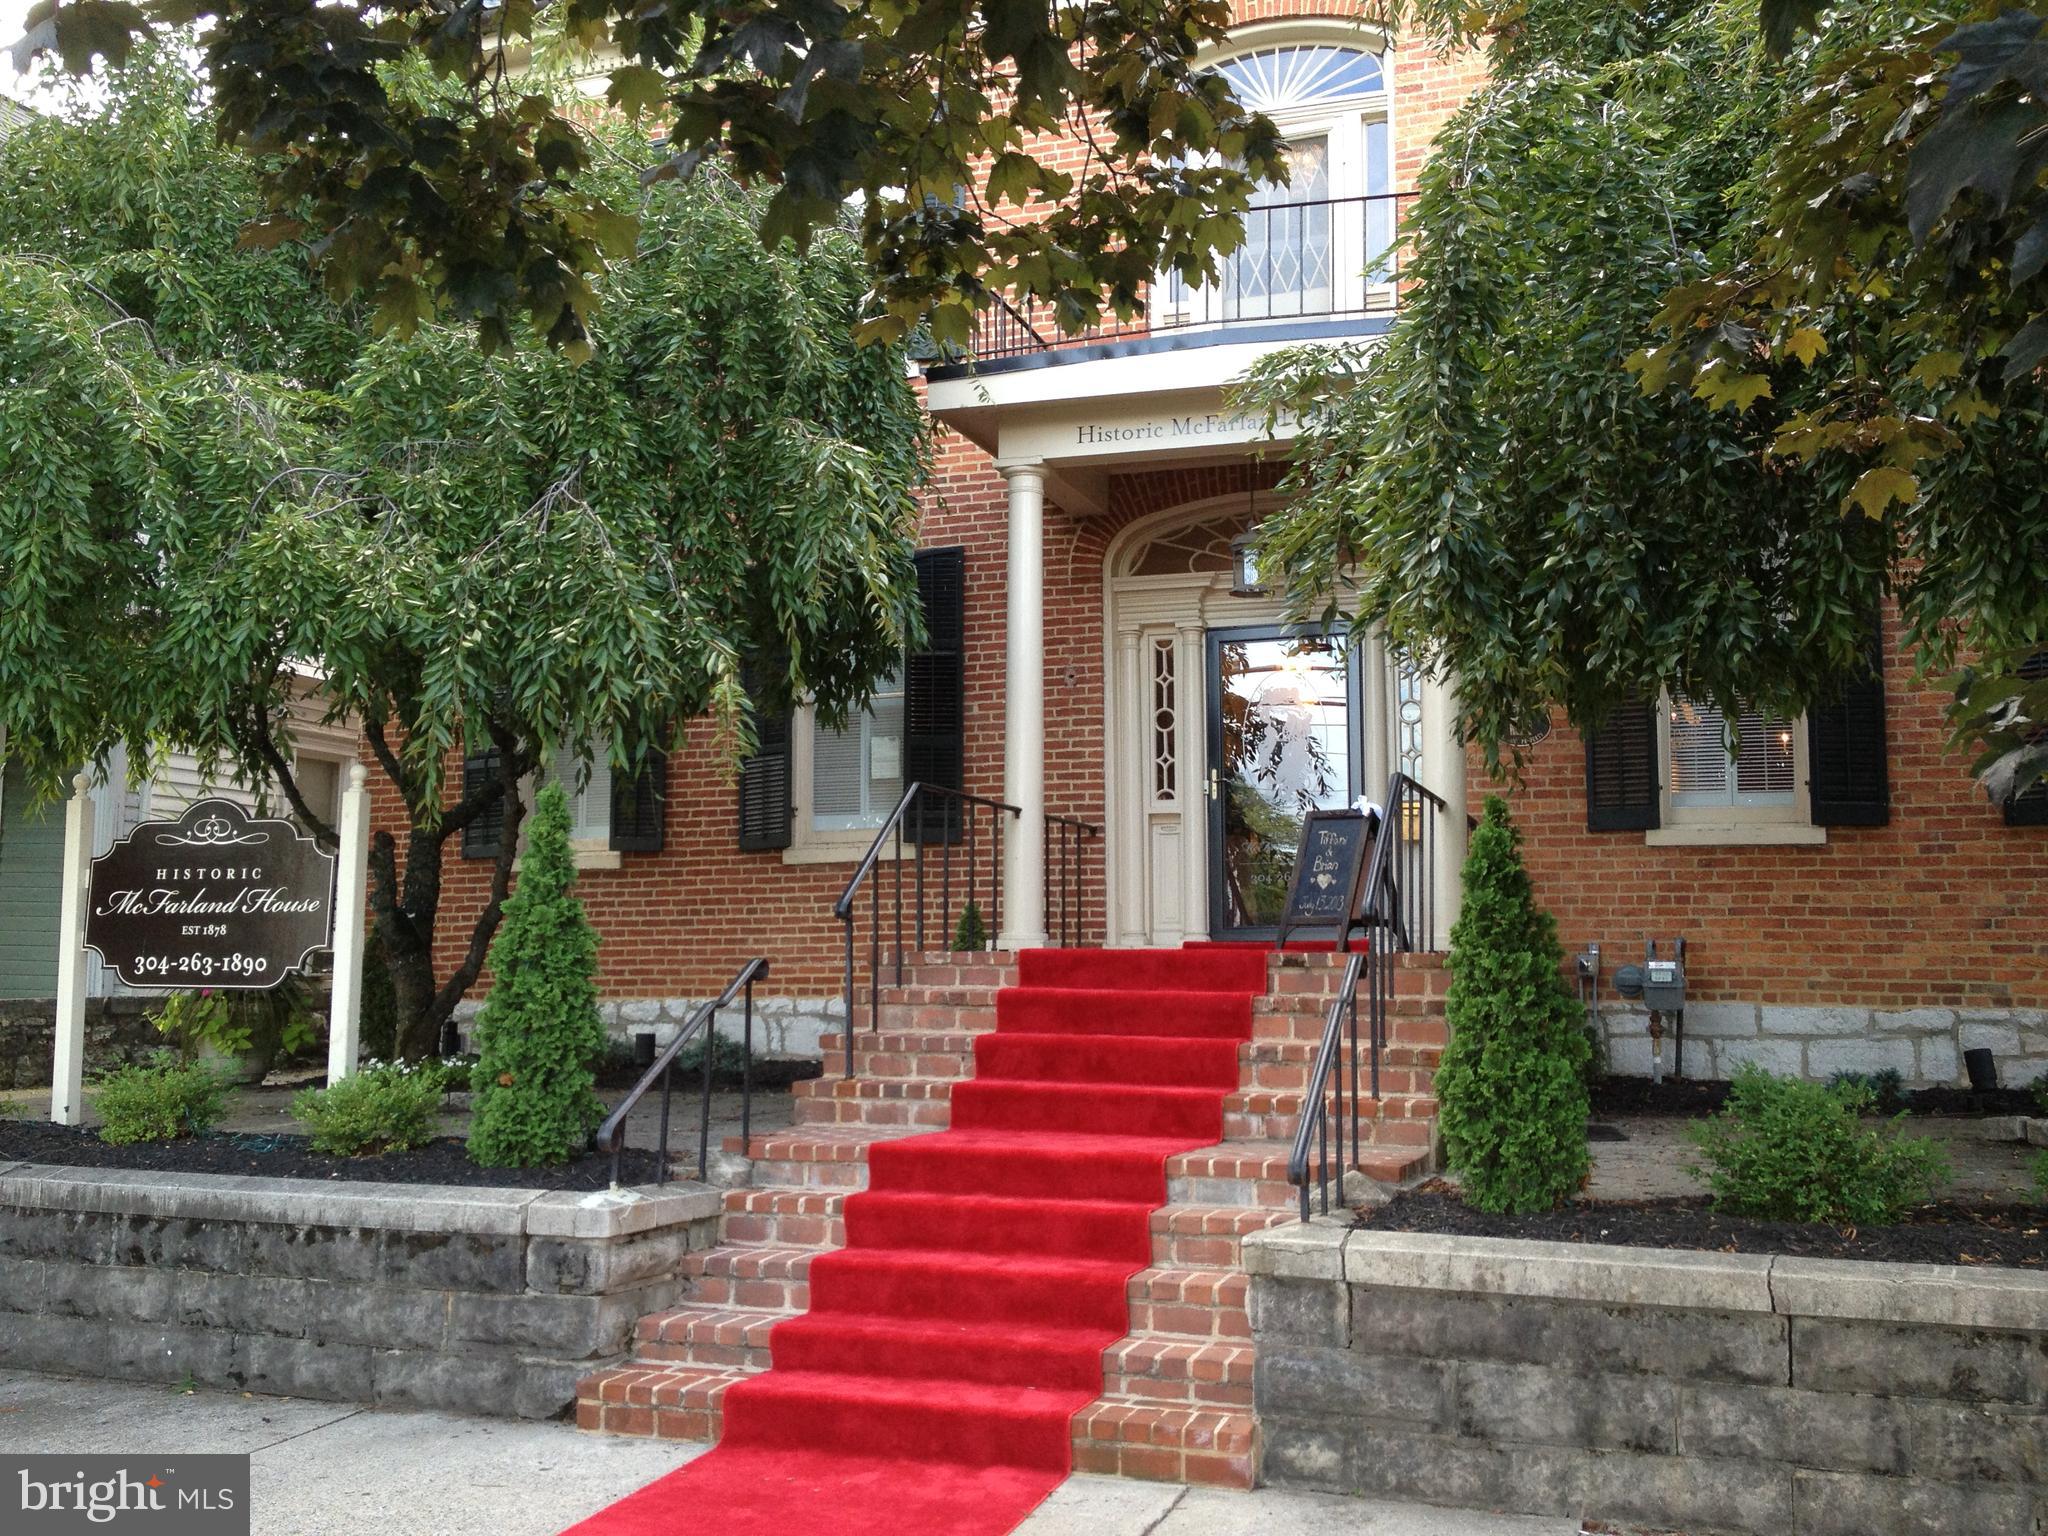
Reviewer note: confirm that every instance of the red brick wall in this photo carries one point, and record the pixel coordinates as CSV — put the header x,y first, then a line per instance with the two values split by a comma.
x,y
680,922
1942,907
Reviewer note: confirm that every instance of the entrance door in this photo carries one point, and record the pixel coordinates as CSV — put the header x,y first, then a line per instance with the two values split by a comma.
x,y
1283,741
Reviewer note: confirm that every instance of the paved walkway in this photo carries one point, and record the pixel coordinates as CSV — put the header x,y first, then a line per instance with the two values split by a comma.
x,y
332,1469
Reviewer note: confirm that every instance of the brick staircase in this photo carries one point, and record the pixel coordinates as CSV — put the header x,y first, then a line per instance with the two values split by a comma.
x,y
1176,1401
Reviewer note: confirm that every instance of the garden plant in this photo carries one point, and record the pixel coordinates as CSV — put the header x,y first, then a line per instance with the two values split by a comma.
x,y
1511,1087
539,1030
159,1100
386,1107
1790,1150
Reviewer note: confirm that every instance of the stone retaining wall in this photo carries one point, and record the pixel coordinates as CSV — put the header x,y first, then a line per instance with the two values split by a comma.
x,y
117,1032
1923,1045
787,1027
487,1301
1690,1391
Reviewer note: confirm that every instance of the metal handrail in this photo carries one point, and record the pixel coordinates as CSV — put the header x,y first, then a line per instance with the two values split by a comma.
x,y
612,1134
1067,833
1399,908
1014,327
956,810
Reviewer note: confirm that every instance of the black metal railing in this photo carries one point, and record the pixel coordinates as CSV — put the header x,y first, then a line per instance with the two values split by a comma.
x,y
1400,912
1066,878
611,1136
1319,259
967,830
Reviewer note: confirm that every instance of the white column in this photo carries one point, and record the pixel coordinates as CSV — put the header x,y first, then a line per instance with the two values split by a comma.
x,y
1024,711
67,1077
1443,770
351,887
1191,696
1130,758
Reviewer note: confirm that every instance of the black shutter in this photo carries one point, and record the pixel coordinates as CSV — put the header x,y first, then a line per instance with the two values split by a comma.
x,y
482,837
767,809
1845,746
2029,808
1621,771
935,696
640,805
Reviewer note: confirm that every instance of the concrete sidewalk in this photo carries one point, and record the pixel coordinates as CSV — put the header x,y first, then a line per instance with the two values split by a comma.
x,y
332,1469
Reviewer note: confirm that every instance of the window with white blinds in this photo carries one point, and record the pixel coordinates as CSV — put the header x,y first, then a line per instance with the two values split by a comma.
x,y
857,770
590,791
1760,770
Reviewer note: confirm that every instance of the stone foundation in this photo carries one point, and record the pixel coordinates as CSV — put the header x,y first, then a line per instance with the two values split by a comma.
x,y
1701,1392
117,1032
1923,1045
787,1027
491,1301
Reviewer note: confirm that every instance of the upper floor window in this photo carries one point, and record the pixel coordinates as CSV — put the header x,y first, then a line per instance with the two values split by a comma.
x,y
1320,244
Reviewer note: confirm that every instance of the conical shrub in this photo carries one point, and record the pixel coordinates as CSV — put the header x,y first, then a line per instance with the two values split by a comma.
x,y
1511,1088
539,1031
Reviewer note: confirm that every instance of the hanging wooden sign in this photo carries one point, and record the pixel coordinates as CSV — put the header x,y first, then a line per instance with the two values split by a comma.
x,y
1329,873
213,899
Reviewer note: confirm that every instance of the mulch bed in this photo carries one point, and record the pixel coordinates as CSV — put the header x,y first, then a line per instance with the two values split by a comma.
x,y
1947,1232
445,1161
1614,1096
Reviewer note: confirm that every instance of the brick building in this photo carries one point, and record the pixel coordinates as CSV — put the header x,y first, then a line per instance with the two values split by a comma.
x,y
1105,667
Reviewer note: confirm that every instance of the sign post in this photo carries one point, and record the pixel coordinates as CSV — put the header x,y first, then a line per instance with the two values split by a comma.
x,y
344,1018
67,1077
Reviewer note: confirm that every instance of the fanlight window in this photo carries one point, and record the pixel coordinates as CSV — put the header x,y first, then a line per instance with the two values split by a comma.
x,y
1274,80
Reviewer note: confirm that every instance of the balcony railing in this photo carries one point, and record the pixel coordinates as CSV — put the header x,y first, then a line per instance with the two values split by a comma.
x,y
1333,259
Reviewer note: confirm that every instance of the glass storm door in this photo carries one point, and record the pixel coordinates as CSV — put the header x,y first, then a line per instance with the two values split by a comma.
x,y
1283,741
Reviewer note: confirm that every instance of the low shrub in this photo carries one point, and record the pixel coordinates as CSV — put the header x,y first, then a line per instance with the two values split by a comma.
x,y
2041,1175
970,934
1790,1150
384,1108
159,1100
1887,1088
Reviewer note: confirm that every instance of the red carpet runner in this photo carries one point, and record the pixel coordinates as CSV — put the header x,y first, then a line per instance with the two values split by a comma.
x,y
929,1389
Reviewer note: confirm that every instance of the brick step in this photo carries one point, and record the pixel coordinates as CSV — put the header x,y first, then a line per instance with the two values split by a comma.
x,y
667,1402
815,1157
1164,1442
1254,1173
1153,1369
756,1279
1205,1305
1206,1236
717,1338
784,1218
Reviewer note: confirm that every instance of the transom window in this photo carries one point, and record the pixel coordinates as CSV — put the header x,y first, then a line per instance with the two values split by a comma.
x,y
1282,80
857,770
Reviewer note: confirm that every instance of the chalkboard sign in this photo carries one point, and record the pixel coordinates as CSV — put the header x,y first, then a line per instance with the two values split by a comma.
x,y
1329,872
213,899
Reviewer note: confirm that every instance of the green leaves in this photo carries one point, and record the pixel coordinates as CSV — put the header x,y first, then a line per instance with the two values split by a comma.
x,y
401,140
1511,1087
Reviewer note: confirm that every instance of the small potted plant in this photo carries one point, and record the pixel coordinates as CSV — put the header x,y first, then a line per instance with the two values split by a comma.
x,y
243,1032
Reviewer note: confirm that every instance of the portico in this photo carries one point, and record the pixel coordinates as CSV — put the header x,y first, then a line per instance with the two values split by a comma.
x,y
1198,669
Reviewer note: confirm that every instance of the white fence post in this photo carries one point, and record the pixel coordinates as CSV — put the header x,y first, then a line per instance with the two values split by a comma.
x,y
351,887
67,1077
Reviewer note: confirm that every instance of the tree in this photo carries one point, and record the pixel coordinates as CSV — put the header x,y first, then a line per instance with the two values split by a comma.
x,y
1512,1085
538,1033
211,478
1509,487
485,199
